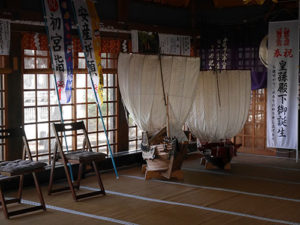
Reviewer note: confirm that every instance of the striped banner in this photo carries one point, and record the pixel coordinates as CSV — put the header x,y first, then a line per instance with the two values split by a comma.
x,y
58,21
89,28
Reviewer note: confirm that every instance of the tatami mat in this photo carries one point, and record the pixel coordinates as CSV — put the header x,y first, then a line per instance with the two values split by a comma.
x,y
266,193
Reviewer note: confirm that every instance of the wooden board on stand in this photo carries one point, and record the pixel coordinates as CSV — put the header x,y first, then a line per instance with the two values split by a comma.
x,y
165,165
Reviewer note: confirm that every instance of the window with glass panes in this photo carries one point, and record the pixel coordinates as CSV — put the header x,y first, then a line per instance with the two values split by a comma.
x,y
253,135
41,105
134,135
87,110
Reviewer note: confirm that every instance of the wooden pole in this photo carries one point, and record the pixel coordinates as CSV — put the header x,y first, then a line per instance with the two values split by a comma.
x,y
164,94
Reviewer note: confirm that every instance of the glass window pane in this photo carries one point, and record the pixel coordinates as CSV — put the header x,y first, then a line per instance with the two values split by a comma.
x,y
79,143
80,80
80,54
104,94
43,114
29,81
67,112
42,98
41,63
41,53
100,126
92,125
32,147
132,133
92,110
52,83
43,147
91,96
103,63
112,94
102,149
111,137
81,63
28,52
29,98
43,130
111,80
111,110
111,63
80,96
104,109
105,80
139,135
93,139
54,113
132,145
53,98
30,131
81,111
102,138
112,122
29,63
42,81
29,115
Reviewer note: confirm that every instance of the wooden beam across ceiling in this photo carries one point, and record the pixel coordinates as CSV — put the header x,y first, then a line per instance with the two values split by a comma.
x,y
175,3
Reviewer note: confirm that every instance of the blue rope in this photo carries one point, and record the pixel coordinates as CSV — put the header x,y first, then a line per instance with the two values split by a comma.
x,y
56,90
95,94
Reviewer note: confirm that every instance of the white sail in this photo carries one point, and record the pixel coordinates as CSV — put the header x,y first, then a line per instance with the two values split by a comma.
x,y
221,105
141,89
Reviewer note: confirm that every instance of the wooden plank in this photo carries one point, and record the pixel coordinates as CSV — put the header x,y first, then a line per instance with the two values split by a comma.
x,y
5,70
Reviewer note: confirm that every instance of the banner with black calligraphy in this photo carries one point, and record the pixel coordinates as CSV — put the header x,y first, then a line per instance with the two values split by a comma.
x,y
89,29
58,21
4,37
282,88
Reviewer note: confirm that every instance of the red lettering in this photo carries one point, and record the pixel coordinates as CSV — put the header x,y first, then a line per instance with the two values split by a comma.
x,y
53,5
277,53
278,35
288,53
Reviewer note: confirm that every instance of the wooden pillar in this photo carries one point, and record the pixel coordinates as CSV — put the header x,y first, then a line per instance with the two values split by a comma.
x,y
122,126
14,97
122,133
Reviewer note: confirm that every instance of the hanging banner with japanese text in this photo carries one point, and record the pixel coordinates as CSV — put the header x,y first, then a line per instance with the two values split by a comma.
x,y
89,28
58,21
4,37
282,88
175,44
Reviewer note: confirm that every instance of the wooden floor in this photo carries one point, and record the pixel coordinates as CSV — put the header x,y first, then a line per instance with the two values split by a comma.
x,y
258,190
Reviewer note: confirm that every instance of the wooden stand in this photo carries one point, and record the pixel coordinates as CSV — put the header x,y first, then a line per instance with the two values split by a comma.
x,y
165,167
208,165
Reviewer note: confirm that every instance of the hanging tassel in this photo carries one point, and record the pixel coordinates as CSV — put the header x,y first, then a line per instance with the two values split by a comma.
x,y
37,41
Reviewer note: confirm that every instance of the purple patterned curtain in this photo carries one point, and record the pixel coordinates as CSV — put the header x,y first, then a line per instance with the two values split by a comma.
x,y
230,54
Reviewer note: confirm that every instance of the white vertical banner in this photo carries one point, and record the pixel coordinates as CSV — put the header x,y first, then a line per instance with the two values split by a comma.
x,y
282,88
89,31
59,36
4,37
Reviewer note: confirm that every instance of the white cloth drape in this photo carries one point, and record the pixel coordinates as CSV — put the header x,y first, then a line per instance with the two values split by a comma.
x,y
220,113
141,89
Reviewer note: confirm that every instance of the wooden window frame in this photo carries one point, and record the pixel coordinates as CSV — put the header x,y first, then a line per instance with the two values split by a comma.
x,y
107,60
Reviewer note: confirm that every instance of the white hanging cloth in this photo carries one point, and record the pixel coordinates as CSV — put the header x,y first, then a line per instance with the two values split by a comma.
x,y
141,89
221,104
